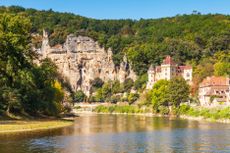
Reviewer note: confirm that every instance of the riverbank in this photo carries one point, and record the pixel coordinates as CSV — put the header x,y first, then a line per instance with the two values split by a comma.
x,y
32,125
184,112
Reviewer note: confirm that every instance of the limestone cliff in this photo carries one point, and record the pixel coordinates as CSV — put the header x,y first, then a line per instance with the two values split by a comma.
x,y
80,60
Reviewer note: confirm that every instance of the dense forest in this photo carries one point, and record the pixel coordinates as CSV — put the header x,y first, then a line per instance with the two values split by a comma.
x,y
146,41
202,41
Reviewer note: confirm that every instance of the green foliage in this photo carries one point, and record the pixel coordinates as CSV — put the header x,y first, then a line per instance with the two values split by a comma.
x,y
222,69
117,87
207,113
79,96
184,109
118,109
160,94
96,83
141,81
111,91
164,110
128,84
169,93
201,40
132,97
217,65
24,86
178,91
147,41
115,99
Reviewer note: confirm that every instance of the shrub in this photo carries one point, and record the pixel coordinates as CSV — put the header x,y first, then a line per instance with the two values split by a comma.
x,y
79,96
141,81
183,109
128,84
132,97
97,83
115,99
164,110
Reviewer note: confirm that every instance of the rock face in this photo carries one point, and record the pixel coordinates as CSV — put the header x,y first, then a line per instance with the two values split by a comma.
x,y
80,60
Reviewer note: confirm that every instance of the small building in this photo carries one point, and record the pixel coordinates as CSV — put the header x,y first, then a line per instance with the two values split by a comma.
x,y
168,70
214,91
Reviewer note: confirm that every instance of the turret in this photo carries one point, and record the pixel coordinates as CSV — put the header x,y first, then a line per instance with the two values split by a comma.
x,y
45,44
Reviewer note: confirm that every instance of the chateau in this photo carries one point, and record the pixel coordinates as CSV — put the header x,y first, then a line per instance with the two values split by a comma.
x,y
167,70
214,91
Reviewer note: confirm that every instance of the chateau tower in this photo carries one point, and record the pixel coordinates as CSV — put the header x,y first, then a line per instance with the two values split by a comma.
x,y
168,70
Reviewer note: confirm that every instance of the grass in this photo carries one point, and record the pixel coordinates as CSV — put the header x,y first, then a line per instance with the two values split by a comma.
x,y
120,109
23,126
206,113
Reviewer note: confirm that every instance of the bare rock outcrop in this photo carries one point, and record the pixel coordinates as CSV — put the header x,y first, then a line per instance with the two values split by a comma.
x,y
81,59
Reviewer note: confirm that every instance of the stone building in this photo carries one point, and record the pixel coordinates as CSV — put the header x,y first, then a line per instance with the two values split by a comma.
x,y
214,91
168,70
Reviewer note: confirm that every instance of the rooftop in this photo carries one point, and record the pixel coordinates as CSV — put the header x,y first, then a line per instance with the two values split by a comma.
x,y
168,61
215,81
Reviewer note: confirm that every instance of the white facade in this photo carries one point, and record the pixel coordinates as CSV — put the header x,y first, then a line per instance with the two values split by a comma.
x,y
167,71
214,91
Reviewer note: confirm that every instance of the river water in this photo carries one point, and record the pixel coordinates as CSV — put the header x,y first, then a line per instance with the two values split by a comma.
x,y
123,134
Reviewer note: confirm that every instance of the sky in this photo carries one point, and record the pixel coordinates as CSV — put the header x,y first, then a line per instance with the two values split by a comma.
x,y
123,9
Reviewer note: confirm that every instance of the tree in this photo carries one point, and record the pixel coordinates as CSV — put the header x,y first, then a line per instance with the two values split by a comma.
x,y
160,93
167,93
117,87
15,52
79,96
128,84
96,83
15,58
178,91
222,69
11,99
104,93
141,81
132,97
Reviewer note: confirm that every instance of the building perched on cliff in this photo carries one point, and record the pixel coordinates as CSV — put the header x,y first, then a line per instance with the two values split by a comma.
x,y
214,91
167,70
81,60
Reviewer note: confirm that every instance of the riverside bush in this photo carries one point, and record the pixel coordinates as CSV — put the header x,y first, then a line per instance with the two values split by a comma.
x,y
164,110
205,112
118,109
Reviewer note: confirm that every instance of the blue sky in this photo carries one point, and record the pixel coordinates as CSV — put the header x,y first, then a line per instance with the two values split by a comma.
x,y
134,9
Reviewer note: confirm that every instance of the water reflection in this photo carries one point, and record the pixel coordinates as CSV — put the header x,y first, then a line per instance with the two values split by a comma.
x,y
123,134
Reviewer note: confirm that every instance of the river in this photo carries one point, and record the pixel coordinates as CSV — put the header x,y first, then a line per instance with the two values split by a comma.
x,y
123,134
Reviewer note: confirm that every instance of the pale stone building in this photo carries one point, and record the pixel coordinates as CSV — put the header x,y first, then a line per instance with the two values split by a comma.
x,y
168,70
214,91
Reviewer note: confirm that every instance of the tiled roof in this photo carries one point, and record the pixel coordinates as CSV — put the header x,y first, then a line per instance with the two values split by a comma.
x,y
187,67
158,68
168,60
213,80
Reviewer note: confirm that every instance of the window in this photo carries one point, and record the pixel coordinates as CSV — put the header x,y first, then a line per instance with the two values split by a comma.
x,y
188,75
